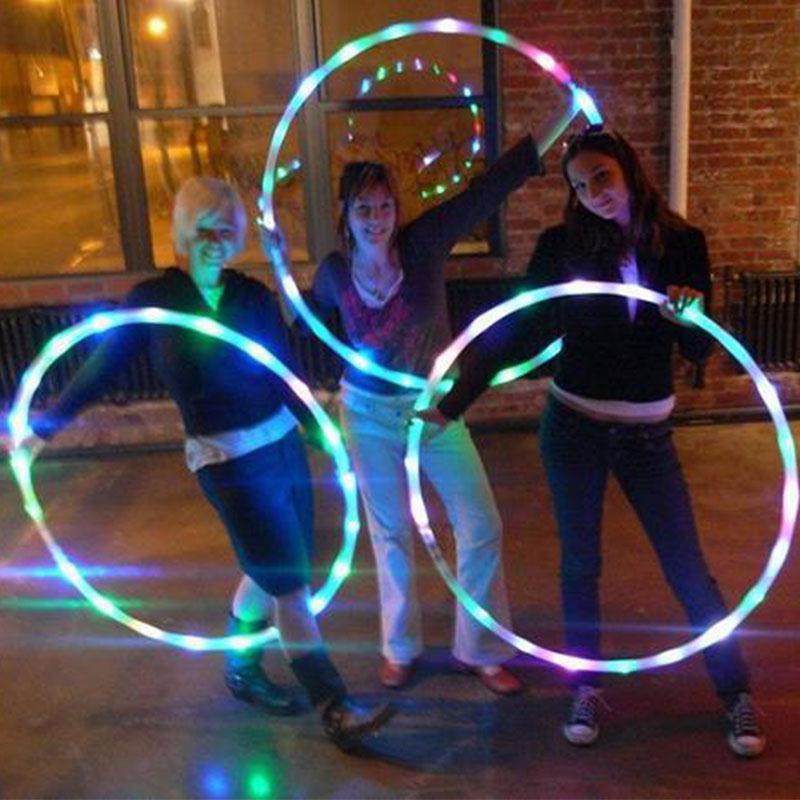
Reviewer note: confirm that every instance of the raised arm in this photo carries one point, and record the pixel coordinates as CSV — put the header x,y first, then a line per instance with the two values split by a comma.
x,y
445,224
441,227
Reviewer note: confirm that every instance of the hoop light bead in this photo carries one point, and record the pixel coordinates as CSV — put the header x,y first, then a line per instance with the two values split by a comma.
x,y
790,496
22,466
580,102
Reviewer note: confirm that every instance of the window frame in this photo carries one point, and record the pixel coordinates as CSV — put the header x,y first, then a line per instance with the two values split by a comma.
x,y
124,116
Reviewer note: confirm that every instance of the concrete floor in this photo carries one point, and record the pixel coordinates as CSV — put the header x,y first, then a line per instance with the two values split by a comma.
x,y
91,710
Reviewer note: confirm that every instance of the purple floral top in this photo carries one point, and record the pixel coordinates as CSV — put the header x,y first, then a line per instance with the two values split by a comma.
x,y
409,331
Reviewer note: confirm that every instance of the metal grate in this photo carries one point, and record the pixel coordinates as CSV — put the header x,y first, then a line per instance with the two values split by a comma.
x,y
24,331
769,318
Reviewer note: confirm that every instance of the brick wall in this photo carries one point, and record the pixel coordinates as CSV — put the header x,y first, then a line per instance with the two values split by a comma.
x,y
745,111
744,169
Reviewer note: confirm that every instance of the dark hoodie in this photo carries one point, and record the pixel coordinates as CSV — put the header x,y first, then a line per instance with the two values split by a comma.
x,y
216,386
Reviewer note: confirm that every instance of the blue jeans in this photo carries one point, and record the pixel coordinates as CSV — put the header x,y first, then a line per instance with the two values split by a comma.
x,y
265,501
578,454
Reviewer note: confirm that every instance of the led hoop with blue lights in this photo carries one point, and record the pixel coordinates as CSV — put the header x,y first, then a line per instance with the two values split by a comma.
x,y
22,466
780,550
580,102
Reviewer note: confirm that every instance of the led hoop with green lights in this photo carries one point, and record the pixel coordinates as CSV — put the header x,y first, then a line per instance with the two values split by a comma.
x,y
400,67
580,102
716,632
22,466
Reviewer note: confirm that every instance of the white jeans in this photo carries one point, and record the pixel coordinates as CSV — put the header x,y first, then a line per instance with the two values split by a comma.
x,y
375,428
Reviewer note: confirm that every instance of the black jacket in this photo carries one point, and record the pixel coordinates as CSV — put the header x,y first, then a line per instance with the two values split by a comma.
x,y
216,386
605,355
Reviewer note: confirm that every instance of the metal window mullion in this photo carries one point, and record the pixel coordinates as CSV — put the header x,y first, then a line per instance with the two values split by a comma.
x,y
126,153
491,117
193,112
52,120
403,103
312,136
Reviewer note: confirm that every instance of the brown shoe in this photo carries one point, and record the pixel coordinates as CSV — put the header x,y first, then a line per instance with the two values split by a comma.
x,y
395,675
498,679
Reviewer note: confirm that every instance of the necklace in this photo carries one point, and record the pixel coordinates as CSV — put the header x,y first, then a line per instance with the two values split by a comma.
x,y
379,293
212,295
371,293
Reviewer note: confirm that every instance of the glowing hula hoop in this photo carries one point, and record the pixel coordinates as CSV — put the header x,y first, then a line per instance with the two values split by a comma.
x,y
22,466
719,630
581,102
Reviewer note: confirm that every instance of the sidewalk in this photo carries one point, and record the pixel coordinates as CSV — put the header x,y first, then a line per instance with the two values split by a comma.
x,y
91,710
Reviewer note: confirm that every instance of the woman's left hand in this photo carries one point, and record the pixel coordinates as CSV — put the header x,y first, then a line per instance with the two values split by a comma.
x,y
679,298
432,416
435,422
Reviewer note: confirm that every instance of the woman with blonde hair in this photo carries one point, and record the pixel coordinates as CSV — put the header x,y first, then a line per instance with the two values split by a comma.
x,y
242,443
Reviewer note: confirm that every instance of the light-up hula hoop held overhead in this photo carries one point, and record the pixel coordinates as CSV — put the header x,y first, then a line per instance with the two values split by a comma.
x,y
22,466
579,102
780,549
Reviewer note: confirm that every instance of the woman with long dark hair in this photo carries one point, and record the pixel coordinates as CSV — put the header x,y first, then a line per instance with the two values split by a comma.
x,y
610,403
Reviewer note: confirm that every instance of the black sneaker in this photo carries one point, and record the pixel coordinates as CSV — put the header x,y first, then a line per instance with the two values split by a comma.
x,y
745,736
346,722
251,685
581,727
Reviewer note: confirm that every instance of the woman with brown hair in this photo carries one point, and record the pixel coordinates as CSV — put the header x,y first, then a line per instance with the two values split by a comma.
x,y
610,403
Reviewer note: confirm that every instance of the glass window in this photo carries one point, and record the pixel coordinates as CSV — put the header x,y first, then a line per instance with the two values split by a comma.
x,y
231,148
57,203
206,85
432,154
212,52
50,58
342,22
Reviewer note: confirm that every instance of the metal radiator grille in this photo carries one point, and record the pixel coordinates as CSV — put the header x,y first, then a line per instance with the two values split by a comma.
x,y
24,331
769,319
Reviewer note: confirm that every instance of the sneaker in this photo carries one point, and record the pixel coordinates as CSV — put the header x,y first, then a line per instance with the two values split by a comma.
x,y
745,736
581,727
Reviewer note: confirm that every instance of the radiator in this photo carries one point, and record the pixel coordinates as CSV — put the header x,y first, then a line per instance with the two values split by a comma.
x,y
769,318
24,331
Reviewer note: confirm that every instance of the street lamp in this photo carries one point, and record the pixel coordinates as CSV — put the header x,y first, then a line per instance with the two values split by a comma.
x,y
156,26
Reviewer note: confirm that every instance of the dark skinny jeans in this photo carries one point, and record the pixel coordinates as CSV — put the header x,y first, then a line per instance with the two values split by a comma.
x,y
578,454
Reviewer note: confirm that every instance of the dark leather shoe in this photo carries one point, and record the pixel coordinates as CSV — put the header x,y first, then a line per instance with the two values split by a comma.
x,y
346,722
396,676
498,679
251,685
